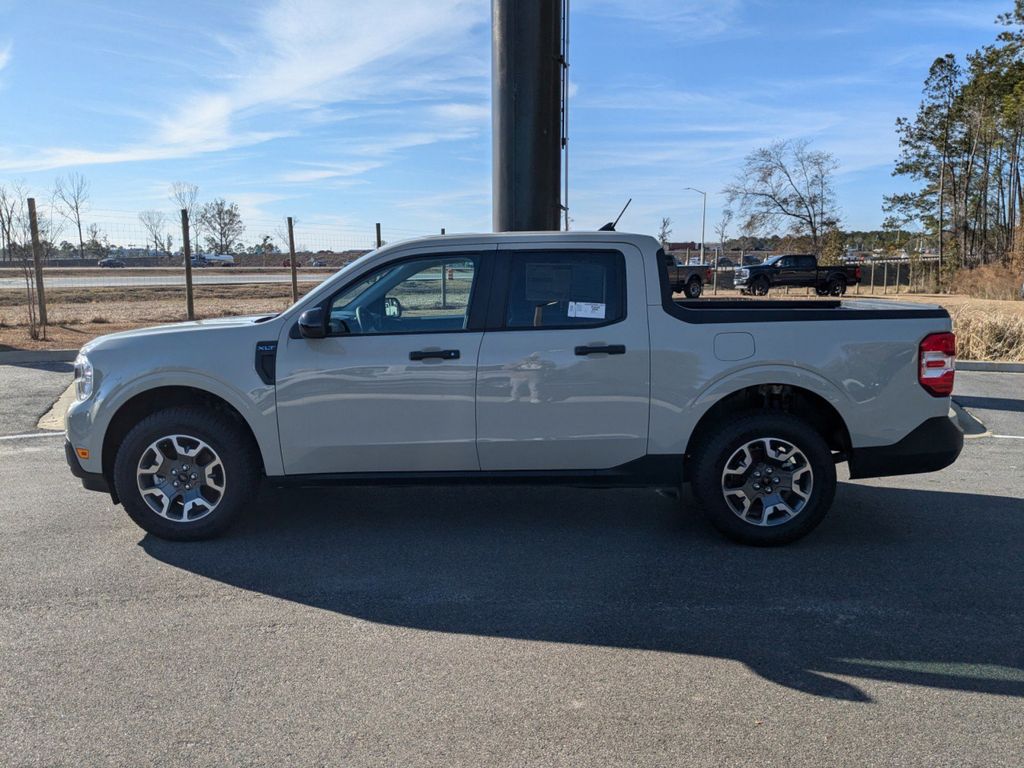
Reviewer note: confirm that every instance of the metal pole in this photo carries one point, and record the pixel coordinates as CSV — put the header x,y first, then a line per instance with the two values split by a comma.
x,y
291,252
885,278
526,79
872,278
379,242
703,223
703,219
37,259
189,303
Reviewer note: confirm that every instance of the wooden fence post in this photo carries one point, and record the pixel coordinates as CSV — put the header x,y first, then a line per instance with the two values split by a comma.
x,y
291,252
37,259
187,248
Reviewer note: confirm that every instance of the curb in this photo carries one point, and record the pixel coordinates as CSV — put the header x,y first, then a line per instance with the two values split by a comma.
x,y
991,367
38,356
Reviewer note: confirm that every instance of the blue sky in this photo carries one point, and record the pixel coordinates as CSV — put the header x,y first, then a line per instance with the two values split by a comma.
x,y
346,113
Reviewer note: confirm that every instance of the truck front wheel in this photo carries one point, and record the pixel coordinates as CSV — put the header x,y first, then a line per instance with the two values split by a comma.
x,y
763,478
760,286
184,473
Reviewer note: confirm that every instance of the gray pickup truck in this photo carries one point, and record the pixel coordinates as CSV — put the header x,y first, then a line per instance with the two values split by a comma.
x,y
522,357
687,279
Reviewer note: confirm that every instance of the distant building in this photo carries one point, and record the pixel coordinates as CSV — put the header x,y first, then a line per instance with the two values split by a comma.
x,y
675,247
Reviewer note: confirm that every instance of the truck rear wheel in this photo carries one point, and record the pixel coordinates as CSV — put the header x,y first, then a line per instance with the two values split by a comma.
x,y
764,478
694,288
837,286
185,473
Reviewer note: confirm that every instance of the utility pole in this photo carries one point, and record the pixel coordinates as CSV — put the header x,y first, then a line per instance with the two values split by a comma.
x,y
526,62
703,219
291,252
37,260
187,248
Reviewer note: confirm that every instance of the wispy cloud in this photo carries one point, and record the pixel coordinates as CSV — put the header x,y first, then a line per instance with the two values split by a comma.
x,y
5,55
297,57
680,19
978,14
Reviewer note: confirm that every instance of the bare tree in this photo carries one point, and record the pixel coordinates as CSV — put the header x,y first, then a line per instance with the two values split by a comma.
x,y
665,231
186,195
15,240
71,195
9,211
722,230
223,221
155,223
97,244
787,186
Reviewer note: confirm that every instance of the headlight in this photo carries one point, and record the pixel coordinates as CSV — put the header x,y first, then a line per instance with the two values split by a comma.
x,y
83,377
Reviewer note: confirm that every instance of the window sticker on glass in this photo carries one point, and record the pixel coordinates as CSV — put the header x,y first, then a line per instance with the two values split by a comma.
x,y
587,309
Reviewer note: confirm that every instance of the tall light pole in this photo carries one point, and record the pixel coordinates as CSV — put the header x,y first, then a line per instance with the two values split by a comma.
x,y
703,219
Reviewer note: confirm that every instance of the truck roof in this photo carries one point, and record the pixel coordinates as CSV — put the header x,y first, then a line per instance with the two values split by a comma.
x,y
520,237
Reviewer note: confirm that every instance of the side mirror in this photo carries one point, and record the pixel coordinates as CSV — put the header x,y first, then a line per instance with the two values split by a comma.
x,y
392,307
311,324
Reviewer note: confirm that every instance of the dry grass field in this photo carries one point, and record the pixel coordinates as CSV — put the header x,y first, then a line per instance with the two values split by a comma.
x,y
987,329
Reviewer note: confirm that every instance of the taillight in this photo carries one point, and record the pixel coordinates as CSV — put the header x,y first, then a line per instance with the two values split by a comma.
x,y
856,273
937,363
707,275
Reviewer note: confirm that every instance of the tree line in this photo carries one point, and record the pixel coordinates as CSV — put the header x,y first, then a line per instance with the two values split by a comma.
x,y
217,224
964,147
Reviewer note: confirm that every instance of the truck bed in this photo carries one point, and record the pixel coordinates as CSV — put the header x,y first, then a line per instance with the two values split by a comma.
x,y
789,310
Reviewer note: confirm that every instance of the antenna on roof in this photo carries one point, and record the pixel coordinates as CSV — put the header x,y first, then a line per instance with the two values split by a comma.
x,y
610,226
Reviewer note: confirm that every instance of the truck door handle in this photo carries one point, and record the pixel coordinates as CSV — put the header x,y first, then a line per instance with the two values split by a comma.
x,y
607,349
440,354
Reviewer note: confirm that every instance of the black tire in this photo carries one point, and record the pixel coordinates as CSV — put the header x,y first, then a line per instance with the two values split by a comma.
x,y
694,288
232,444
836,286
725,438
760,286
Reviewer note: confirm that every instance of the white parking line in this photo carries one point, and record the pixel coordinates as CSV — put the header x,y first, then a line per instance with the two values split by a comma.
x,y
31,435
1009,437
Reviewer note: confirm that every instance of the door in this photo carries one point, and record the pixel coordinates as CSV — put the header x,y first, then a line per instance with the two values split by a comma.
x,y
807,268
564,379
392,386
787,273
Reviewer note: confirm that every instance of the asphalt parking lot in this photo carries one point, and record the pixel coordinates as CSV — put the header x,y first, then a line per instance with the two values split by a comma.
x,y
496,626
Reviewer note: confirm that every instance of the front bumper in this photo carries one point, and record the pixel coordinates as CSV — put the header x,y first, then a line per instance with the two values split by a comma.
x,y
932,446
91,481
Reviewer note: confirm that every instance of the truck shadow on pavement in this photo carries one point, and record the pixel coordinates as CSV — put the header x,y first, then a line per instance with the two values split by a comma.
x,y
908,586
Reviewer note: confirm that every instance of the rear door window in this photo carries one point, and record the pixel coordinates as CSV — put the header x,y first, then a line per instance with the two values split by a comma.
x,y
565,289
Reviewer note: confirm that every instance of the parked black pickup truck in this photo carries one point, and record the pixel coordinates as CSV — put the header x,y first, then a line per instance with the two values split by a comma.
x,y
799,271
688,279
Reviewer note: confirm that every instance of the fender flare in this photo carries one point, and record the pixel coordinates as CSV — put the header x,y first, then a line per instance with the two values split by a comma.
x,y
775,373
261,420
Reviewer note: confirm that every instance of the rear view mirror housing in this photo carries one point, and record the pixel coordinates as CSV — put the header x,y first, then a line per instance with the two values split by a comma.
x,y
312,324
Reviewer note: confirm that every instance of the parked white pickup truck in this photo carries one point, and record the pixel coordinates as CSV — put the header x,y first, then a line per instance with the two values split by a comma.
x,y
523,357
